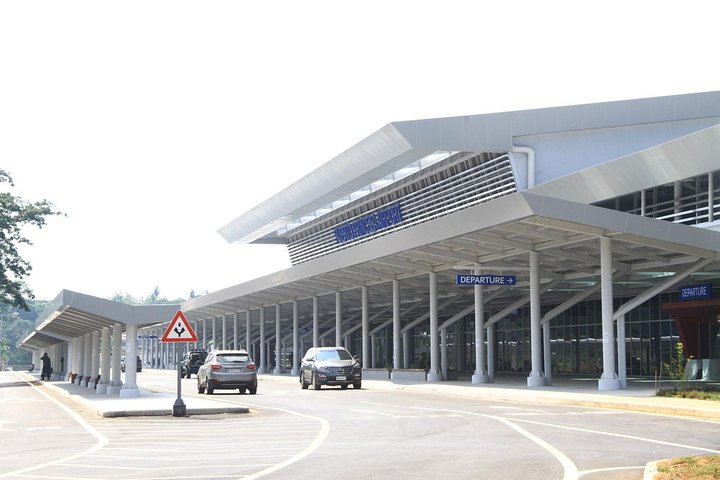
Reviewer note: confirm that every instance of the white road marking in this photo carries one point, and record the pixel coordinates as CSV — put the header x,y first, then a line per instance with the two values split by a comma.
x,y
612,469
43,428
621,435
570,469
369,403
101,439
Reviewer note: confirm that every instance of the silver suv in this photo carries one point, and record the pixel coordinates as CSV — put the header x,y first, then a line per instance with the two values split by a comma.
x,y
227,370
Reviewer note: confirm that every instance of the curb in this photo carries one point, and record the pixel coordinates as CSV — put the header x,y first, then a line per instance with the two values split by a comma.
x,y
168,412
651,470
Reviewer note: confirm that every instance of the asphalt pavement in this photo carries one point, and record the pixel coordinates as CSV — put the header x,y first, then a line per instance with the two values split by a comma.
x,y
638,397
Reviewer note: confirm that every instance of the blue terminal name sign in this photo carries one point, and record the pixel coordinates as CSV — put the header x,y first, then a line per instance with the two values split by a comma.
x,y
486,280
696,292
369,224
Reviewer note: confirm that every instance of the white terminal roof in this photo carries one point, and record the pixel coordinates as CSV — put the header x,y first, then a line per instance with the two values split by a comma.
x,y
589,136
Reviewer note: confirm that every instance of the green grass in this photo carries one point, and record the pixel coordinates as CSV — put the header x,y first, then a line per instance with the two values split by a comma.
x,y
686,391
687,468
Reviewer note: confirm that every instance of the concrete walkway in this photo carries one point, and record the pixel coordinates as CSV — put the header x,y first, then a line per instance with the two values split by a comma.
x,y
638,397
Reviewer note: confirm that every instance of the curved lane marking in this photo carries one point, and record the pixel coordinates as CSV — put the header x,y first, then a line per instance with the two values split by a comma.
x,y
314,445
101,439
569,467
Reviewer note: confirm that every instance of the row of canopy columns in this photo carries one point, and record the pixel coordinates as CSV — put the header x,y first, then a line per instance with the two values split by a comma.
x,y
93,360
260,344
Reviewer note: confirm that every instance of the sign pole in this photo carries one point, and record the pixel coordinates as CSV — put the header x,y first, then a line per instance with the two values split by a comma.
x,y
179,330
179,408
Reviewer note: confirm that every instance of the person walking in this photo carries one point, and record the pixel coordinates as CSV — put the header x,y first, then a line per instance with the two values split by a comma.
x,y
46,367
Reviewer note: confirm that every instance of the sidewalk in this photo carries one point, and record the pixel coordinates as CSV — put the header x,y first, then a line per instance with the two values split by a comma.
x,y
638,397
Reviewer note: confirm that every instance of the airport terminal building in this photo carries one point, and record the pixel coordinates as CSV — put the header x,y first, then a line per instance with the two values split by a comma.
x,y
575,240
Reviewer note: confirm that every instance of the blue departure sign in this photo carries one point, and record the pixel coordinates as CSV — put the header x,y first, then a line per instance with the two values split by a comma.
x,y
702,291
472,280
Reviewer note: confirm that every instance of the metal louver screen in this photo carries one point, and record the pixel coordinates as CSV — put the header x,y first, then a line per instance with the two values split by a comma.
x,y
461,181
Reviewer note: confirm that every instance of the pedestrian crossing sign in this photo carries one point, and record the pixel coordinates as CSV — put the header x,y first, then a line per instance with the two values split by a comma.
x,y
179,330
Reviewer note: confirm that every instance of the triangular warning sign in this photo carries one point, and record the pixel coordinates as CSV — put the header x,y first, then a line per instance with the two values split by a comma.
x,y
179,330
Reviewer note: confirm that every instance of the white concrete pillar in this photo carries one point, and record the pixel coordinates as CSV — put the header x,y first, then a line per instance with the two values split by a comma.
x,y
95,360
248,340
263,365
443,354
338,318
480,375
130,389
547,353
491,352
536,377
622,359
224,334
365,326
295,349
81,360
316,322
373,360
235,331
214,336
87,367
406,349
73,367
204,342
276,371
396,324
104,361
434,375
609,379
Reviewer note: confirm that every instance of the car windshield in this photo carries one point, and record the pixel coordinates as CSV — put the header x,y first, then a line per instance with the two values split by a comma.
x,y
233,358
325,355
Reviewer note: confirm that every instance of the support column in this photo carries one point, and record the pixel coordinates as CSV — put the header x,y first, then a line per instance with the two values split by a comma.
x,y
224,334
373,360
248,340
406,349
87,367
547,353
480,375
115,380
491,352
338,319
396,324
536,378
434,375
104,361
609,379
235,331
276,371
316,322
443,354
622,360
365,327
263,367
204,342
214,337
130,389
95,360
295,353
75,360
81,360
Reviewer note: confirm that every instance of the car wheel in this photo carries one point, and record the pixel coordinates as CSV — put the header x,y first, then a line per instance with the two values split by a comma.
x,y
303,384
344,386
253,390
210,390
242,391
314,380
357,385
201,389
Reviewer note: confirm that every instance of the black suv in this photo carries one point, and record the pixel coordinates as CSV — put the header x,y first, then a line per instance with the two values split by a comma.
x,y
192,361
330,366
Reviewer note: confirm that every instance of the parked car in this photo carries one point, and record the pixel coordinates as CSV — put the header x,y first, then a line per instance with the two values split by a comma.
x,y
330,366
138,364
191,362
226,370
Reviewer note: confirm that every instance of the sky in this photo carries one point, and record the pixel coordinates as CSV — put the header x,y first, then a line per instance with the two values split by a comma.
x,y
151,124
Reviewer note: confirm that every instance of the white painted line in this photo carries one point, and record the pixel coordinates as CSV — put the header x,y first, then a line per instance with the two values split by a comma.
x,y
43,428
611,469
369,403
571,471
372,412
101,439
621,435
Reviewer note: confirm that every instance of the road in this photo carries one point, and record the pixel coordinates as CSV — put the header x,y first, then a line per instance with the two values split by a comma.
x,y
337,434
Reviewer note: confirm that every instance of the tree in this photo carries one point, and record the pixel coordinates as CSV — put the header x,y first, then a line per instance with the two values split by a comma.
x,y
15,213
